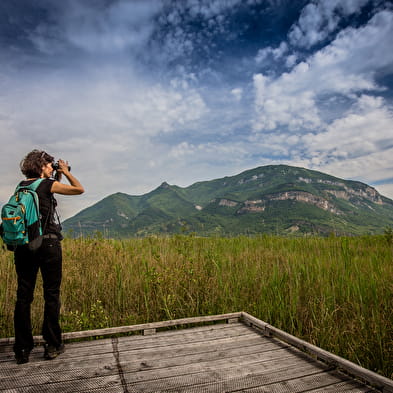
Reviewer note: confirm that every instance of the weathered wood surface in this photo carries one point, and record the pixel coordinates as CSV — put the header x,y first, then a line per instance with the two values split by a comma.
x,y
214,358
382,383
146,327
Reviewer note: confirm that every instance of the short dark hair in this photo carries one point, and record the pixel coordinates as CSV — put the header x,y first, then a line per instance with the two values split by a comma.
x,y
31,165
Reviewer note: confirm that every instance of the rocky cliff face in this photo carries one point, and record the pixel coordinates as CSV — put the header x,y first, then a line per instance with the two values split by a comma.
x,y
306,197
342,191
347,193
259,205
227,203
256,206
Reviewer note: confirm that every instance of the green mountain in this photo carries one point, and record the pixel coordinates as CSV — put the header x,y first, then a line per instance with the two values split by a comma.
x,y
275,199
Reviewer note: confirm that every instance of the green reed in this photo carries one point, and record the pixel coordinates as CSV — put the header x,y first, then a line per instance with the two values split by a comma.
x,y
334,292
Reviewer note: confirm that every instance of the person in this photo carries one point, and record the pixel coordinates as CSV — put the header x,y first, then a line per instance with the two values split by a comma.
x,y
47,259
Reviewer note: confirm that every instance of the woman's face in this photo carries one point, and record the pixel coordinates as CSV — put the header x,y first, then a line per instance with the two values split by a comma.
x,y
47,170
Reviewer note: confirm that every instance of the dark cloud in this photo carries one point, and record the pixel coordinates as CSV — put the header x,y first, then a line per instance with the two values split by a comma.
x,y
18,19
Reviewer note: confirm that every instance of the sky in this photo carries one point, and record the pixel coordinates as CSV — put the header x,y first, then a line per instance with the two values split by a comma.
x,y
137,92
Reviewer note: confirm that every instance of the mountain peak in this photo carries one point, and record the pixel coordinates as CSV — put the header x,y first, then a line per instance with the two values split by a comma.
x,y
164,185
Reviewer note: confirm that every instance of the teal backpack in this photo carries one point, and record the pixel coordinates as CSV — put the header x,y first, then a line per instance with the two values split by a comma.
x,y
21,220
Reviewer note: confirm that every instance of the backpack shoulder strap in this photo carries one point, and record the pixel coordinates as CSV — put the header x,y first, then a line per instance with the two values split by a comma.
x,y
33,186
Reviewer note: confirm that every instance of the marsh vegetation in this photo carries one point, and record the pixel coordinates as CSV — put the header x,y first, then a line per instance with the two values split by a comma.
x,y
334,292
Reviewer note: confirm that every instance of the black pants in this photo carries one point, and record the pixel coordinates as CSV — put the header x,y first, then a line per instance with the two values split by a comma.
x,y
48,259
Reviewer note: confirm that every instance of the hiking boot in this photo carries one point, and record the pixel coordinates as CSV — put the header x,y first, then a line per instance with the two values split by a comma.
x,y
22,356
52,352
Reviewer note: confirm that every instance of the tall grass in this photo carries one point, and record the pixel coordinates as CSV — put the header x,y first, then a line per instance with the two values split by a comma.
x,y
335,292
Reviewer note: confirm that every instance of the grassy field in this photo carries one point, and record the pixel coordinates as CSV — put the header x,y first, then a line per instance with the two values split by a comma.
x,y
334,292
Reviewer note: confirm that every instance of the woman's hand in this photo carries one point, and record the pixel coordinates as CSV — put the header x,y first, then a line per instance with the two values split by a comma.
x,y
63,167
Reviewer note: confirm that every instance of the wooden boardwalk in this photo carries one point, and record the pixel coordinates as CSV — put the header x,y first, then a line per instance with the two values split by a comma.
x,y
242,355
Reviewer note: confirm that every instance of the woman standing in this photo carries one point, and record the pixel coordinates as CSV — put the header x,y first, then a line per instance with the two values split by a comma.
x,y
48,258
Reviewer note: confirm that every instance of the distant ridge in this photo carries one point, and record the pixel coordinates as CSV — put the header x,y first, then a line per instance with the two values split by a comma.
x,y
273,199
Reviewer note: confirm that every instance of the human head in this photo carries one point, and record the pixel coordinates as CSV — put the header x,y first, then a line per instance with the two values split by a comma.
x,y
31,166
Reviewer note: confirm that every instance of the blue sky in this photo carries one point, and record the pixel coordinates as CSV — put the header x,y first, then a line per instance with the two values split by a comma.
x,y
133,93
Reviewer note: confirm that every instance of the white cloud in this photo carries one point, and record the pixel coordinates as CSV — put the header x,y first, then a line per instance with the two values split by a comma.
x,y
110,28
360,51
166,111
283,103
357,146
275,53
186,153
210,8
368,168
182,149
366,129
348,65
237,93
291,60
320,18
99,101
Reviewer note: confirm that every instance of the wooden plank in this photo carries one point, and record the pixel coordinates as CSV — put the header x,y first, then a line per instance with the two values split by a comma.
x,y
228,367
232,379
190,355
71,353
164,340
274,382
176,366
149,332
320,381
374,379
200,333
6,351
185,336
204,345
188,361
135,328
75,357
105,384
343,387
